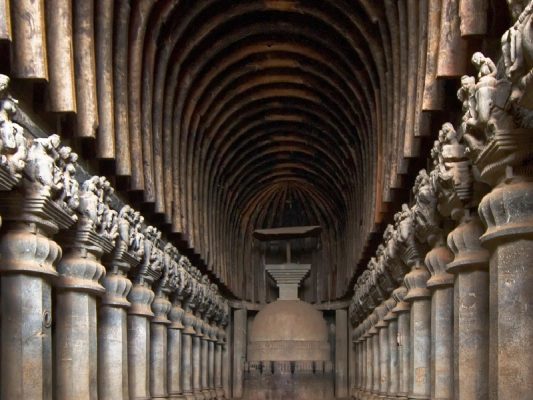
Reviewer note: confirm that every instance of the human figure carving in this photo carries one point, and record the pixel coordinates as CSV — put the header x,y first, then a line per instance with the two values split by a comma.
x,y
485,66
136,236
13,144
517,49
40,166
426,217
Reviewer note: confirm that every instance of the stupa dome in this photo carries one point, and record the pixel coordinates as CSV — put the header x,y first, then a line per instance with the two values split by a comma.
x,y
289,330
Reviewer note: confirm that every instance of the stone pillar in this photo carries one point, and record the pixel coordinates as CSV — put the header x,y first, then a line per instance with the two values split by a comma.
x,y
78,288
112,316
76,329
360,364
204,352
392,343
356,339
352,359
186,352
441,284
139,315
174,347
458,196
341,353
197,358
222,372
420,332
31,216
369,362
14,149
218,343
28,263
239,351
419,297
26,309
500,140
113,337
363,358
403,341
353,365
374,338
507,211
218,367
158,343
383,346
471,310
163,371
227,337
211,362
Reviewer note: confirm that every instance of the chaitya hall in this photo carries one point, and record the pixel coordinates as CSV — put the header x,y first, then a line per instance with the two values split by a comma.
x,y
266,199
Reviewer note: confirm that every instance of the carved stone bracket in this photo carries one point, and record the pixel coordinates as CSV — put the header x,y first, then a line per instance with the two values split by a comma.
x,y
517,53
126,255
13,144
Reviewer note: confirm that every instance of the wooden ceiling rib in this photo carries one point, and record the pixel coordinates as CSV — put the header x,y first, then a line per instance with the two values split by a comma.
x,y
242,76
229,116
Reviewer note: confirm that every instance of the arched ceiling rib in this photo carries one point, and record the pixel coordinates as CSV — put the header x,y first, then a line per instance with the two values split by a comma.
x,y
228,116
243,77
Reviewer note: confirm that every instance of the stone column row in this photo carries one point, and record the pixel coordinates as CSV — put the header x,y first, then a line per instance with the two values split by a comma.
x,y
115,289
129,347
462,325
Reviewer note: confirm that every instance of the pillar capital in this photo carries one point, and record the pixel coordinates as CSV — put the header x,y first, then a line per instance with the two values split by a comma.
x,y
149,270
43,204
466,246
381,311
152,265
391,254
398,295
499,139
416,284
507,211
126,255
382,280
48,195
93,234
161,307
436,261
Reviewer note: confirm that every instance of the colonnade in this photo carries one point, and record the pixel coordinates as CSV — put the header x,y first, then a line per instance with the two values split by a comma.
x,y
445,308
94,304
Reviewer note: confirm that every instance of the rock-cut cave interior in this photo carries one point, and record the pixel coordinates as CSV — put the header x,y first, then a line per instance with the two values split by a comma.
x,y
266,199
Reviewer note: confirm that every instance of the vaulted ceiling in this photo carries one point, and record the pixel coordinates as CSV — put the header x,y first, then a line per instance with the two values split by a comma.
x,y
228,116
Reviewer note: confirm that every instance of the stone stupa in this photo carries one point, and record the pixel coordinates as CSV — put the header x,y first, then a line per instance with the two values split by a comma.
x,y
288,329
